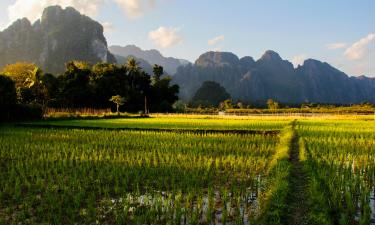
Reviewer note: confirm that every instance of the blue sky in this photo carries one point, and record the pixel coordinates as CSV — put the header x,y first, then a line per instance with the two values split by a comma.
x,y
340,32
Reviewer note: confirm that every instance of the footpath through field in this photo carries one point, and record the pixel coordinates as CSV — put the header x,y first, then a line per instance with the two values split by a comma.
x,y
297,198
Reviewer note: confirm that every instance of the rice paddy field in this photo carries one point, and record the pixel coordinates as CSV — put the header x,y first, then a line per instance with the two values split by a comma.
x,y
189,170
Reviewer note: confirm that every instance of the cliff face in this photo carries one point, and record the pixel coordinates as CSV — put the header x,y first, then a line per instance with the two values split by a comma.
x,y
273,77
61,35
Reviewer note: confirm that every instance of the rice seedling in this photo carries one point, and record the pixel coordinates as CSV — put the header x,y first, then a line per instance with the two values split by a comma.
x,y
340,156
64,176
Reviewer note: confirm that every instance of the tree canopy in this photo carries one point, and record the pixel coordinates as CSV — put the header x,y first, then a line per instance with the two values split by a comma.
x,y
210,94
83,85
7,92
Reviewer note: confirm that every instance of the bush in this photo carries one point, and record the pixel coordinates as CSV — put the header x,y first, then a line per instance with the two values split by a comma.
x,y
21,112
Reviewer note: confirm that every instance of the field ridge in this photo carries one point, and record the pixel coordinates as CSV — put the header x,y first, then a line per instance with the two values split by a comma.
x,y
297,199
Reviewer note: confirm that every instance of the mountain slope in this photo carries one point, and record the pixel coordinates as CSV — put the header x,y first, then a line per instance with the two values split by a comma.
x,y
60,35
151,56
142,63
273,77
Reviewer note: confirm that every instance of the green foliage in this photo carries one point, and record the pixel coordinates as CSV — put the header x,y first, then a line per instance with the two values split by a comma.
x,y
8,93
86,86
158,72
179,106
118,100
273,105
28,81
210,94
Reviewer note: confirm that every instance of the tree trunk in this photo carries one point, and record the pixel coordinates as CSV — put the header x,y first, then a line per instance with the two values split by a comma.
x,y
146,105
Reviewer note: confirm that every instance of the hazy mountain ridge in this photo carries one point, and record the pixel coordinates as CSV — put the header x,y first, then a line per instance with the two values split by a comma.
x,y
61,35
152,56
273,77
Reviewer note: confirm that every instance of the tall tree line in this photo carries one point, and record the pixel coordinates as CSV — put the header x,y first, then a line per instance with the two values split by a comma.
x,y
83,85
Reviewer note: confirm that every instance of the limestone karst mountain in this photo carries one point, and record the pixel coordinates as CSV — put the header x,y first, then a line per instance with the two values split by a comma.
x,y
273,77
59,36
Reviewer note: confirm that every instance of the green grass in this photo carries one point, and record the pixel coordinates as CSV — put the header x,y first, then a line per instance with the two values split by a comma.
x,y
175,123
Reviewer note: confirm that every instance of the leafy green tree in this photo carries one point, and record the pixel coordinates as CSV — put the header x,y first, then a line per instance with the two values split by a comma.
x,y
158,72
273,105
107,80
179,106
227,104
27,78
83,85
164,95
49,86
118,100
210,94
75,90
8,96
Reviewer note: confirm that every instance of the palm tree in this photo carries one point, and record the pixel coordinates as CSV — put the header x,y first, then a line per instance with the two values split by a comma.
x,y
132,65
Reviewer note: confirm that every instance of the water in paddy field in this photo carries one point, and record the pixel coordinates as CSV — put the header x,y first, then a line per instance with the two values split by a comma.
x,y
232,211
372,207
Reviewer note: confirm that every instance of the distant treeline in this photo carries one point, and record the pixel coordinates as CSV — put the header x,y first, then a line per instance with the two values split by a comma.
x,y
25,91
365,108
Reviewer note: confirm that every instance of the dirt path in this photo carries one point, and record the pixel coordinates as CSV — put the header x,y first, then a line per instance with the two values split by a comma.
x,y
297,198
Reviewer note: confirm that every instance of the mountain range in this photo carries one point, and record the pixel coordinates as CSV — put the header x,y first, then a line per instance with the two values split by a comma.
x,y
152,56
62,35
271,77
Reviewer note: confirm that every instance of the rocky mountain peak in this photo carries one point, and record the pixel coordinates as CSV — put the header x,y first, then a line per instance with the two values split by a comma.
x,y
152,56
61,35
217,59
270,55
247,62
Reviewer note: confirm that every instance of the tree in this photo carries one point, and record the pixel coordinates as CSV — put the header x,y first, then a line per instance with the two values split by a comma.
x,y
8,94
118,100
272,104
30,84
107,80
164,95
75,90
132,65
227,104
210,94
22,73
179,106
27,77
158,72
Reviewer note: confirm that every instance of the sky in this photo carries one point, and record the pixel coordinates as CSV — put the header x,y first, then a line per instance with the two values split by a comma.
x,y
340,32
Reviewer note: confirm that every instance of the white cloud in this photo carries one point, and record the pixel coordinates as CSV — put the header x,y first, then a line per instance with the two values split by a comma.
x,y
108,27
32,9
216,40
135,8
299,60
338,45
165,37
359,49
